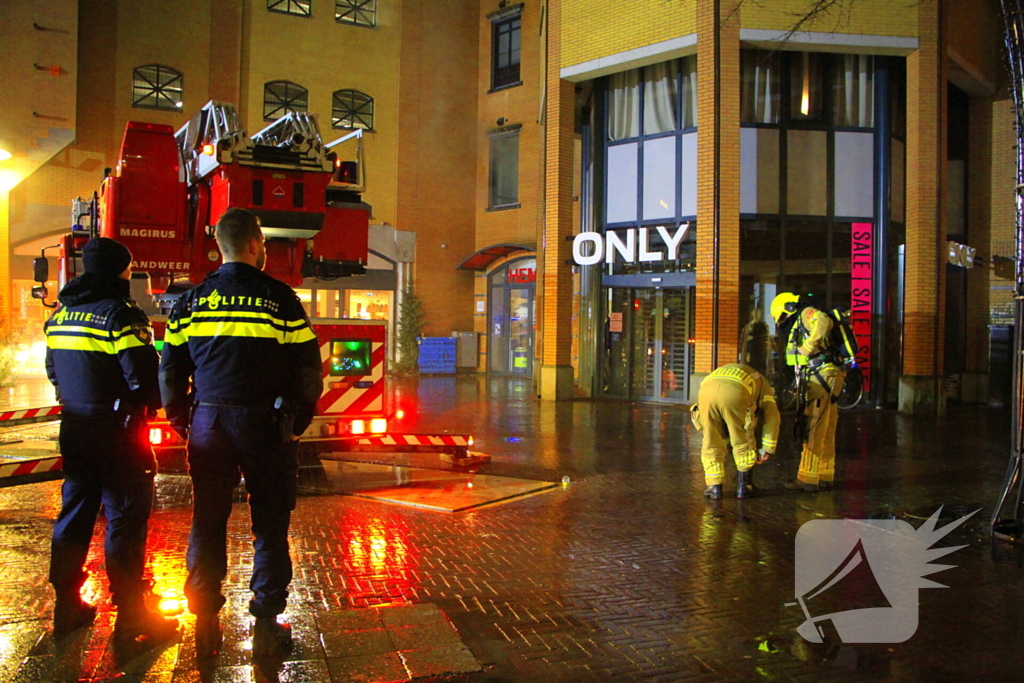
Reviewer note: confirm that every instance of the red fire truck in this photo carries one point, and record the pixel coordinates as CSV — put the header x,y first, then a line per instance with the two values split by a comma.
x,y
168,190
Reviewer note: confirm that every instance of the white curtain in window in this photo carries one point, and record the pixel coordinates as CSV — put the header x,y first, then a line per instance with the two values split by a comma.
x,y
624,105
854,91
761,92
688,111
660,97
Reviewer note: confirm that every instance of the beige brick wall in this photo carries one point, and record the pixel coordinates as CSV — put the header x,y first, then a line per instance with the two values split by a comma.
x,y
924,296
1004,212
598,28
711,349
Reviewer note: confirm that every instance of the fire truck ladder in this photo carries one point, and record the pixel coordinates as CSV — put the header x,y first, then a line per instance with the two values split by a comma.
x,y
1008,517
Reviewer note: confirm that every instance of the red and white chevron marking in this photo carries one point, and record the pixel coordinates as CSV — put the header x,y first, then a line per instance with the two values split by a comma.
x,y
341,396
28,413
17,469
415,440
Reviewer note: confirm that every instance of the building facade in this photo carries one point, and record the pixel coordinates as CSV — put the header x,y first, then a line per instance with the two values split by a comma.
x,y
609,194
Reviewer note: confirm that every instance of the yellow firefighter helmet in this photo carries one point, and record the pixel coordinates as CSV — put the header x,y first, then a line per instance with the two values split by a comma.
x,y
784,304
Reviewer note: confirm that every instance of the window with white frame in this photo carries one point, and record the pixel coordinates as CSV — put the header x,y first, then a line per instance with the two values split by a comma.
x,y
157,87
356,12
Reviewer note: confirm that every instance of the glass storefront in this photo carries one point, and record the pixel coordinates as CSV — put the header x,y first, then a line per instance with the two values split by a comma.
x,y
511,319
648,349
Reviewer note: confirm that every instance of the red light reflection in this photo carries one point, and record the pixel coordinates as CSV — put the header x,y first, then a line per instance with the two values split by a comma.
x,y
380,560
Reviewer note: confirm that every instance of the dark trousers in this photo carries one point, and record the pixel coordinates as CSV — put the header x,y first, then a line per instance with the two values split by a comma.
x,y
224,443
102,465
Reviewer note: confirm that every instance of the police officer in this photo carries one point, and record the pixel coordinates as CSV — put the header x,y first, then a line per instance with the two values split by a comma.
x,y
101,360
730,403
243,339
806,331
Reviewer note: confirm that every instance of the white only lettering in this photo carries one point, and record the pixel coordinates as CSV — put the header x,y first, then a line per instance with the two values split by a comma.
x,y
637,243
148,232
175,266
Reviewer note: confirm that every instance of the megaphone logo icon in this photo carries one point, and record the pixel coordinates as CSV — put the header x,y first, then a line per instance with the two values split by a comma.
x,y
860,577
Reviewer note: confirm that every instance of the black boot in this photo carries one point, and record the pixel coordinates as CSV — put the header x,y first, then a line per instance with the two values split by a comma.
x,y
271,638
71,613
209,637
745,485
824,486
800,486
137,623
713,492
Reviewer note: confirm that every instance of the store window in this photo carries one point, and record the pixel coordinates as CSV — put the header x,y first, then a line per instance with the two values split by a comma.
x,y
283,97
356,12
301,8
368,304
504,171
760,87
506,38
157,87
352,109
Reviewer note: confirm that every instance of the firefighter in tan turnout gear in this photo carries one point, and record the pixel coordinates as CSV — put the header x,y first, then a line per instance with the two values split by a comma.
x,y
730,403
807,333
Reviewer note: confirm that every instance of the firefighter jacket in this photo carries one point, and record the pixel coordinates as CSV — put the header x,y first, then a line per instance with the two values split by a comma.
x,y
808,337
244,340
99,349
759,400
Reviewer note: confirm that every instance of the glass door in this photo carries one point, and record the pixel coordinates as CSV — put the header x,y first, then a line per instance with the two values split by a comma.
x,y
648,354
520,331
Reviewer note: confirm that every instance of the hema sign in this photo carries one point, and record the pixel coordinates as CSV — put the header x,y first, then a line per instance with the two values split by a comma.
x,y
635,247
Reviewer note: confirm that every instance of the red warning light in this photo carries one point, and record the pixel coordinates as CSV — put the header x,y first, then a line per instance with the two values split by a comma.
x,y
156,436
636,304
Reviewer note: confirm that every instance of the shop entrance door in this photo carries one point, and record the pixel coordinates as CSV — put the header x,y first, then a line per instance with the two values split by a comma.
x,y
510,343
648,351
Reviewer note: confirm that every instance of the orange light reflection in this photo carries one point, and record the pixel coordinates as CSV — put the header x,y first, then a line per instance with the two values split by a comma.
x,y
380,562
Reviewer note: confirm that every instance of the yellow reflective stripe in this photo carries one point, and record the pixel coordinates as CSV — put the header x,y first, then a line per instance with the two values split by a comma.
x,y
299,336
175,338
70,343
97,332
262,315
234,329
769,444
129,341
767,397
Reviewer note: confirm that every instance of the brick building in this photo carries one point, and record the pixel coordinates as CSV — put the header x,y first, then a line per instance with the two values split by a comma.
x,y
706,169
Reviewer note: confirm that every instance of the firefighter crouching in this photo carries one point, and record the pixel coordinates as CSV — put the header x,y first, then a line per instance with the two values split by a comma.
x,y
730,403
806,331
101,360
244,340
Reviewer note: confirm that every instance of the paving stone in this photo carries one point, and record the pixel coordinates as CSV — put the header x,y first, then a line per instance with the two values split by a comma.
x,y
349,643
377,668
439,661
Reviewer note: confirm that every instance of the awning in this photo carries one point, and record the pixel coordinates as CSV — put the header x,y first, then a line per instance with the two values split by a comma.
x,y
483,258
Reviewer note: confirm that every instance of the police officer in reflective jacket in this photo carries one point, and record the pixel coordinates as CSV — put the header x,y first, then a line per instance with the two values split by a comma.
x,y
101,360
244,341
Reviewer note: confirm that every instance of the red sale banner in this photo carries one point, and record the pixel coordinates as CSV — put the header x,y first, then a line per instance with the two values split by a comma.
x,y
862,259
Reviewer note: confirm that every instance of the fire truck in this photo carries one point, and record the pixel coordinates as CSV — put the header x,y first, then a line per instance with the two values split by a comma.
x,y
168,190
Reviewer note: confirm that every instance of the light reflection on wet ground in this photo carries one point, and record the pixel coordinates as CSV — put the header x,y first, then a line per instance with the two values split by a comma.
x,y
625,574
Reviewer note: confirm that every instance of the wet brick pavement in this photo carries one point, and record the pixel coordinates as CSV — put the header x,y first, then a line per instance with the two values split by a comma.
x,y
624,574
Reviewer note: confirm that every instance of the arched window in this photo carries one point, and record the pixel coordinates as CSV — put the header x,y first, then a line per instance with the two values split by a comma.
x,y
356,12
297,7
157,87
282,97
352,109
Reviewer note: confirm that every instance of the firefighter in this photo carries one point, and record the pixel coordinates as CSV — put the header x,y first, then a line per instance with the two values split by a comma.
x,y
244,341
102,363
806,331
730,403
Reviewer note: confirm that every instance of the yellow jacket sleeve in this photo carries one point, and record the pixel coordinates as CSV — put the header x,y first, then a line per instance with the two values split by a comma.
x,y
772,419
818,325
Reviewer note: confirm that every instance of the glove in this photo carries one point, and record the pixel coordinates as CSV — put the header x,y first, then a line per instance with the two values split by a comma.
x,y
762,456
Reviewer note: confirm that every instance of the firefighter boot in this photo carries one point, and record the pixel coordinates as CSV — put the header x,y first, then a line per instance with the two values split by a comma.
x,y
71,613
824,485
138,623
745,485
800,486
713,492
271,638
209,637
